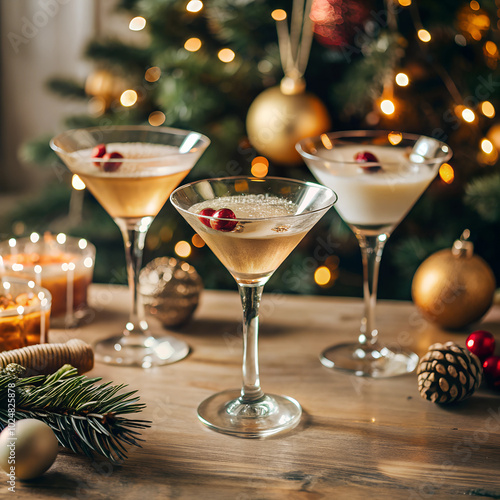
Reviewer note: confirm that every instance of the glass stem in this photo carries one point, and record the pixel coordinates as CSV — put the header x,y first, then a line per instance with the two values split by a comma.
x,y
371,254
250,299
134,236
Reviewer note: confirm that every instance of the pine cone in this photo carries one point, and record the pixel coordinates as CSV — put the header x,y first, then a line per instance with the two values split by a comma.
x,y
448,373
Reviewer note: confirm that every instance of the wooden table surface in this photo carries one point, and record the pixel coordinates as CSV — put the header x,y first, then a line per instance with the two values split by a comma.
x,y
358,438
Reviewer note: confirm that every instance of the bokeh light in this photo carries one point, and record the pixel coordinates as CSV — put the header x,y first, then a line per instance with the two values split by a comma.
x,y
226,55
152,74
182,249
446,173
194,6
192,44
128,98
137,24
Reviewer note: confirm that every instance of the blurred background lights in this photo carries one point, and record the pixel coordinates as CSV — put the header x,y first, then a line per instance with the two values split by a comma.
x,y
197,241
424,35
446,173
260,166
474,5
278,15
322,276
395,138
137,24
128,98
226,55
488,109
402,79
405,3
192,44
152,74
387,107
34,237
77,183
194,6
487,146
468,115
491,48
182,249
61,238
156,118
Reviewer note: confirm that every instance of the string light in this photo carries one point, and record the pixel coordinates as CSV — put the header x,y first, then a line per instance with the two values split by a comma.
x,y
424,35
322,276
487,146
278,15
156,118
194,6
402,79
152,74
446,173
192,44
488,109
395,138
468,115
226,55
491,48
387,107
197,241
137,24
260,166
404,3
128,98
77,183
182,249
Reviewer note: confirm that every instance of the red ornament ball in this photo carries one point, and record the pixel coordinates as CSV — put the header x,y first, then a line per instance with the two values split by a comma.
x,y
491,371
481,343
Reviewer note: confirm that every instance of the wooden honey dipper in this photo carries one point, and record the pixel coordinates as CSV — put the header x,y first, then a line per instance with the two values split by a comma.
x,y
44,359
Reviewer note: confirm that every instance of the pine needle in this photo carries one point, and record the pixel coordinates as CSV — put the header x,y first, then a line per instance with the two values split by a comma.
x,y
85,416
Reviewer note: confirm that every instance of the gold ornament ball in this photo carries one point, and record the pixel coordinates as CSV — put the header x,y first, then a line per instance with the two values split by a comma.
x,y
30,447
277,121
453,288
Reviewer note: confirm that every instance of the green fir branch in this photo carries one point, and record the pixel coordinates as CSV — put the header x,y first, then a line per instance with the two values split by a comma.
x,y
483,195
86,417
67,88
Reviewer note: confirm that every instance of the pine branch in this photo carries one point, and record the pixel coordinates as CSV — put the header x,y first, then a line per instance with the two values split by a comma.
x,y
67,88
483,195
85,417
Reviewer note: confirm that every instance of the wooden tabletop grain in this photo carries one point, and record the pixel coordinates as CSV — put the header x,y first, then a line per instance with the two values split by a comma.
x,y
358,437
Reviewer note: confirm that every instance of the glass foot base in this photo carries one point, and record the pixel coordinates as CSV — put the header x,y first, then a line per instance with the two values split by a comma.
x,y
139,350
374,361
224,412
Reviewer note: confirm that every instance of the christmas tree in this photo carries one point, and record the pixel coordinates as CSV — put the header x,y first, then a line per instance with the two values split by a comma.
x,y
425,67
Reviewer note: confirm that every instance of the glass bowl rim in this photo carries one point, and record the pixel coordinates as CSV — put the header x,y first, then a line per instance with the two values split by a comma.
x,y
255,179
368,134
7,313
145,128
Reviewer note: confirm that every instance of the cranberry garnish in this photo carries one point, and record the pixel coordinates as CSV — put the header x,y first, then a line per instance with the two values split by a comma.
x,y
111,166
367,157
219,224
208,212
98,152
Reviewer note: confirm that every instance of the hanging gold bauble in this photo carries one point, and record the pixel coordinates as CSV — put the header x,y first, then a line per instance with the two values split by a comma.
x,y
283,115
105,85
453,288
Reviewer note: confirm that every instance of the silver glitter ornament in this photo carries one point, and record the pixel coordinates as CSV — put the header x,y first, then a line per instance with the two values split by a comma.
x,y
170,290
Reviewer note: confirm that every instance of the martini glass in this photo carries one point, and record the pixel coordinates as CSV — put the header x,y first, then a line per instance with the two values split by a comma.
x,y
375,191
132,186
272,216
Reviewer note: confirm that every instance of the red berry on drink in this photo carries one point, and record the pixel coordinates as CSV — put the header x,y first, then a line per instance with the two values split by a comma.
x,y
481,343
367,157
491,371
220,221
98,152
111,166
208,212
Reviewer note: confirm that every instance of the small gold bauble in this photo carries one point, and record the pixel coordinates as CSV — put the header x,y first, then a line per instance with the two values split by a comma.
x,y
277,121
453,288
